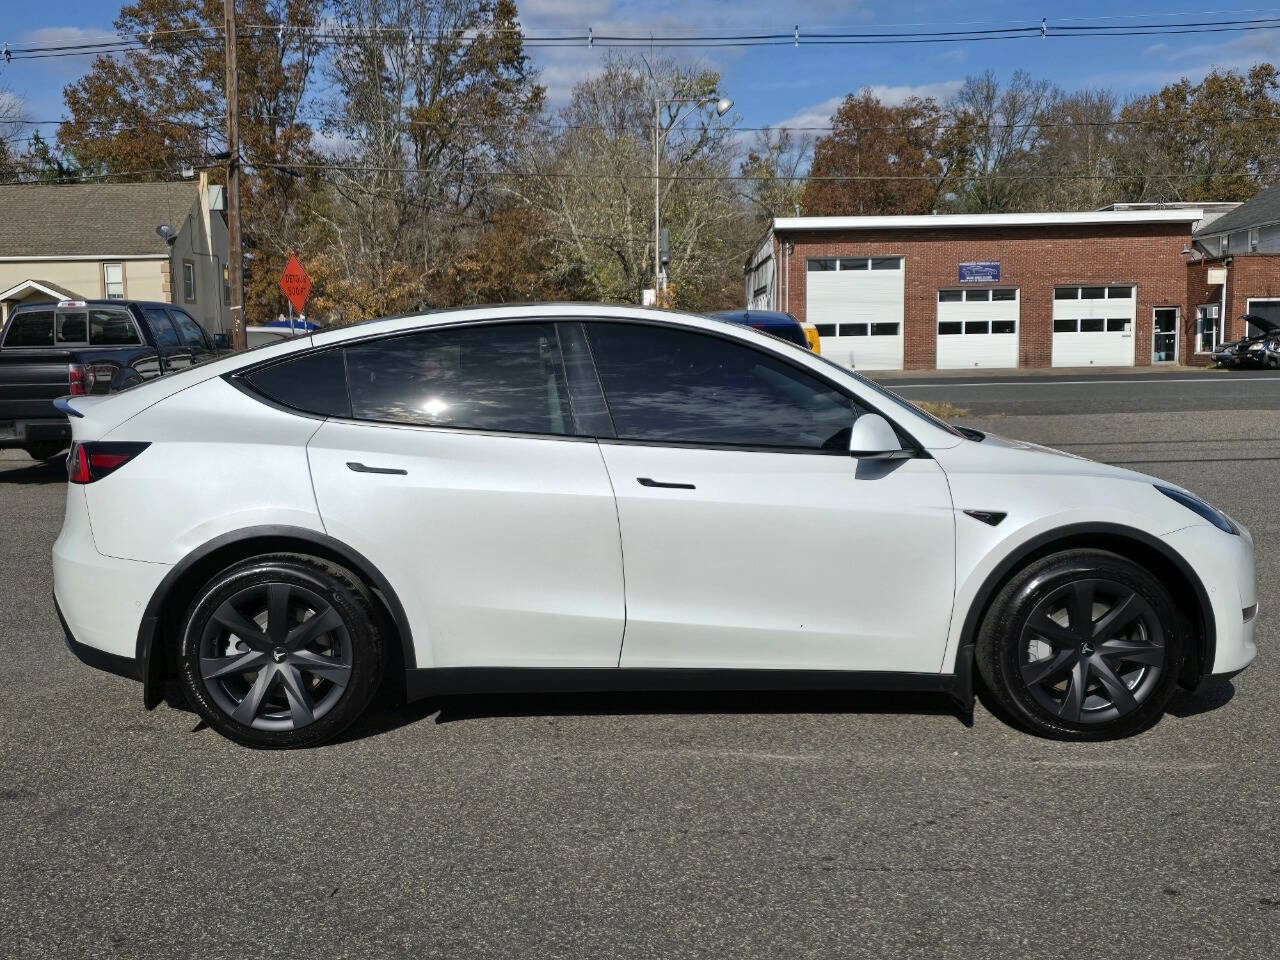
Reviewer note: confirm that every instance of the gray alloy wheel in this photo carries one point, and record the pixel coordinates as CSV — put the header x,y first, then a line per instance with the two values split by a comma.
x,y
275,656
1092,651
281,650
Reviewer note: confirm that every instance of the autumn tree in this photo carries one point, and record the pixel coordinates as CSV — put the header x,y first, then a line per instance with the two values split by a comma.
x,y
431,98
885,159
1218,139
1074,156
149,112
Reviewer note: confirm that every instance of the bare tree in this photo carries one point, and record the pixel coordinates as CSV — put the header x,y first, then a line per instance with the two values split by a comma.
x,y
593,182
1005,126
1075,154
773,173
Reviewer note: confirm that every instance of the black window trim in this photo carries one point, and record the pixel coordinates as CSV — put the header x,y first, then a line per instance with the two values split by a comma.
x,y
236,379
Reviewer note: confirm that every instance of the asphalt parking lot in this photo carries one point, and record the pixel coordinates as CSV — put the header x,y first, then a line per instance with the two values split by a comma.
x,y
663,826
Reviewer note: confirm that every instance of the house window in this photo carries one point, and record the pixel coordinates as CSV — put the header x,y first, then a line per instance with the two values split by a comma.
x,y
188,281
226,284
113,280
1253,241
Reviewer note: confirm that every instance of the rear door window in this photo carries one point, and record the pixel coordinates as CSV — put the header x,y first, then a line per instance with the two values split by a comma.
x,y
504,377
164,332
30,329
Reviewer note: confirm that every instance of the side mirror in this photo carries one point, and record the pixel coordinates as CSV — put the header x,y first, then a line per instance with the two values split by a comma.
x,y
221,341
873,439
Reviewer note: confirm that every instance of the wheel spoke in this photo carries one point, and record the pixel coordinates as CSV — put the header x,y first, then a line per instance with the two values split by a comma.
x,y
1115,687
1119,616
1074,700
213,667
1052,632
1149,653
1080,608
241,626
278,611
248,708
1049,667
300,706
317,625
327,668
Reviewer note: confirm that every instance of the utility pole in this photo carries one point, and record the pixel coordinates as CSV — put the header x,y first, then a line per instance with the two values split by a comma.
x,y
235,266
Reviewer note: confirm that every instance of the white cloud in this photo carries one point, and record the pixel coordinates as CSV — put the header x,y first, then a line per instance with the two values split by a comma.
x,y
819,114
68,35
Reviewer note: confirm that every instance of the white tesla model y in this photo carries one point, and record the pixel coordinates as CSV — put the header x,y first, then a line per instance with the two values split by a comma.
x,y
591,498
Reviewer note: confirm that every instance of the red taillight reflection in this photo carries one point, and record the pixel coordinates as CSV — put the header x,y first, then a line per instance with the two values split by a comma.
x,y
78,385
88,462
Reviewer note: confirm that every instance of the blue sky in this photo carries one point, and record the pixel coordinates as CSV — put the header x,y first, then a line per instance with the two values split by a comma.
x,y
782,84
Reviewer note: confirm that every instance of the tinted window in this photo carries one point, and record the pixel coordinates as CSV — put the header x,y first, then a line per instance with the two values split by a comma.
x,y
885,263
161,328
857,264
1066,293
949,296
1064,326
312,383
977,295
676,386
1002,326
948,328
1117,326
1006,294
976,326
1091,325
112,328
817,265
34,329
853,329
1092,293
884,329
191,332
1119,293
70,327
499,377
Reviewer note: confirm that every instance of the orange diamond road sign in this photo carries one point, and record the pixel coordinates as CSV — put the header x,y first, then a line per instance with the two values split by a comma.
x,y
295,283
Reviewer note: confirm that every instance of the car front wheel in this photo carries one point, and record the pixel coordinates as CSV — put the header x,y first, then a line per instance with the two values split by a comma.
x,y
281,651
1082,645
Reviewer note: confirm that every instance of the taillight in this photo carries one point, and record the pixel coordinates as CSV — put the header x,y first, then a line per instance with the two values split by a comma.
x,y
78,385
88,462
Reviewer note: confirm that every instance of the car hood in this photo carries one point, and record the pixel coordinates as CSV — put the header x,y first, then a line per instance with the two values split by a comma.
x,y
1022,456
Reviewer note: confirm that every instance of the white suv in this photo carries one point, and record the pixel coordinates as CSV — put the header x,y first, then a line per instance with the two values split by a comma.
x,y
591,497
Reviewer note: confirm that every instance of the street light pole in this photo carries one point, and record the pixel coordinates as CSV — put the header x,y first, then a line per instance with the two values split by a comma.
x,y
723,106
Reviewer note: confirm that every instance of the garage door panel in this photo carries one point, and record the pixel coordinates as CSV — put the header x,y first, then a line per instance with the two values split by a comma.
x,y
868,301
1098,331
977,333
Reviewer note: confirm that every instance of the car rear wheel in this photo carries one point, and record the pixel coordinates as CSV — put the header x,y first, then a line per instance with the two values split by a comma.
x,y
1082,645
281,651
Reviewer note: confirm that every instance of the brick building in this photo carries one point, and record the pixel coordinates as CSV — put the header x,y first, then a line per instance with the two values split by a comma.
x,y
1122,286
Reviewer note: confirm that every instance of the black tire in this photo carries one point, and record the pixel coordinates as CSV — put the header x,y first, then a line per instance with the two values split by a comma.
x,y
46,450
269,682
1035,646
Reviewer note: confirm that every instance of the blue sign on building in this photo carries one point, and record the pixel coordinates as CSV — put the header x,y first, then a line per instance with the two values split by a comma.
x,y
980,271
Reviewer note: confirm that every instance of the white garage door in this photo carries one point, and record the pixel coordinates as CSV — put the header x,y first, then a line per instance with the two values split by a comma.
x,y
856,304
977,328
1093,326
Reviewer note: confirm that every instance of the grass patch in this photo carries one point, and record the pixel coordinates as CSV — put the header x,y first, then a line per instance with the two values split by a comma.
x,y
944,410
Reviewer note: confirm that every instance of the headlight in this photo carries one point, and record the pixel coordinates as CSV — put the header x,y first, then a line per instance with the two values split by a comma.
x,y
1199,507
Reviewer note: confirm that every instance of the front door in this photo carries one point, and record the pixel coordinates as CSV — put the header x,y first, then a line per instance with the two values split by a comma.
x,y
1164,335
460,477
751,539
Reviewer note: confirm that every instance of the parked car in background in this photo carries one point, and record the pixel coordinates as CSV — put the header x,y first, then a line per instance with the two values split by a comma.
x,y
1249,350
84,348
1271,351
774,322
258,336
612,471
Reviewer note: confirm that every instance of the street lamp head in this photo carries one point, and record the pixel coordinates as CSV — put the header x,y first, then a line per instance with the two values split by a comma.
x,y
723,106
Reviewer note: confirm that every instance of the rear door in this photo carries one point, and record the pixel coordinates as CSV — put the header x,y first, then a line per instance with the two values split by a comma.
x,y
460,474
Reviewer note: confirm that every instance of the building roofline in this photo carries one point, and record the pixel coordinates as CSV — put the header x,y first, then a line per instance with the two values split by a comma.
x,y
966,220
